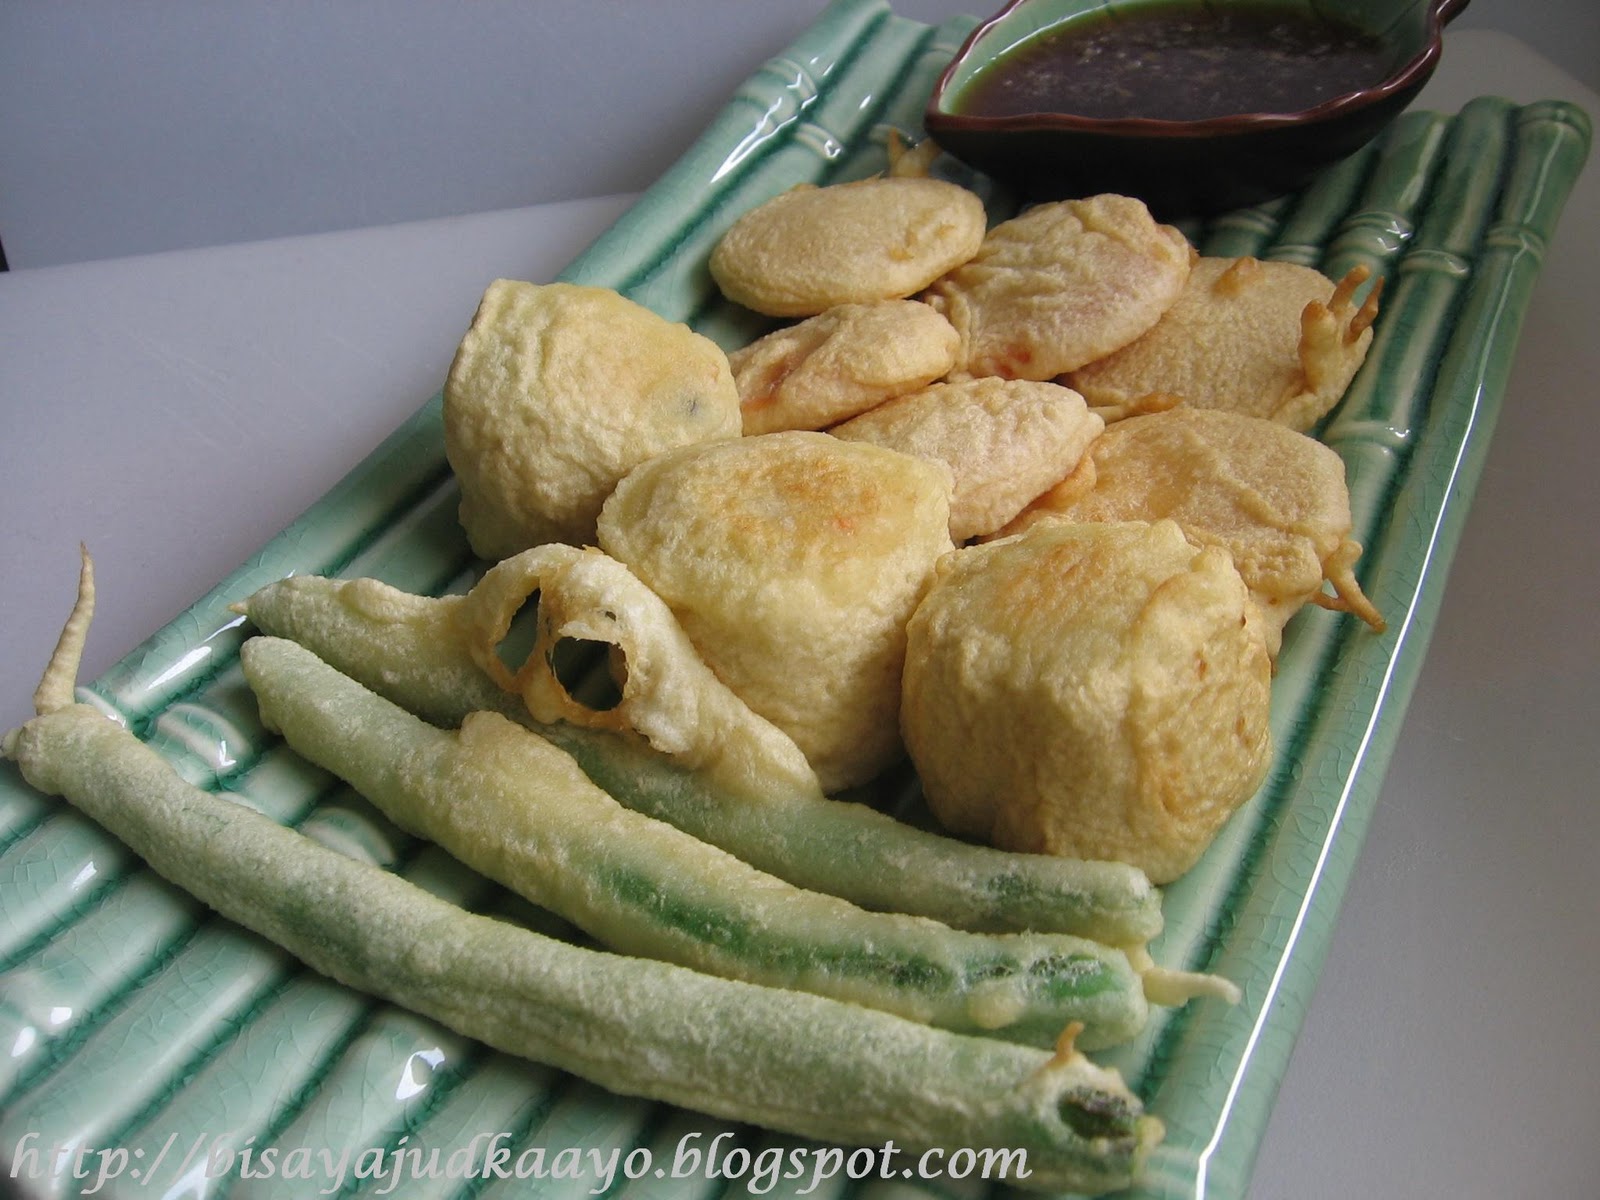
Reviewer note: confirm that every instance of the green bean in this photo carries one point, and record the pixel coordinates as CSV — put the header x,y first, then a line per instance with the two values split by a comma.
x,y
411,650
517,809
790,1061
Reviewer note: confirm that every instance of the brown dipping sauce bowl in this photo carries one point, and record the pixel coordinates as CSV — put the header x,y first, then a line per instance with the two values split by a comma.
x,y
1180,168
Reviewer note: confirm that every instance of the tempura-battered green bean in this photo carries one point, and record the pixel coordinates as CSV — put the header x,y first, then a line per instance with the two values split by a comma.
x,y
412,650
517,809
787,1060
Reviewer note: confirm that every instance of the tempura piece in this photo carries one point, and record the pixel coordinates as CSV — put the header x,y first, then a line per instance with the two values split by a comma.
x,y
1004,440
792,560
811,248
556,393
668,696
1061,285
1091,690
911,160
839,363
1274,499
1267,339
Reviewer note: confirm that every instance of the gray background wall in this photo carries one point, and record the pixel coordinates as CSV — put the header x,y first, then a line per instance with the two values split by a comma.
x,y
130,126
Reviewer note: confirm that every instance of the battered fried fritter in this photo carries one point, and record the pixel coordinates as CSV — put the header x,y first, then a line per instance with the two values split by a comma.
x,y
1004,440
557,392
666,694
1268,339
839,363
1091,690
792,560
811,248
1062,285
1273,498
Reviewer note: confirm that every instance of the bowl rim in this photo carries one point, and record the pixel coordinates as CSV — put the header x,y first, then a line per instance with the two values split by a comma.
x,y
1412,73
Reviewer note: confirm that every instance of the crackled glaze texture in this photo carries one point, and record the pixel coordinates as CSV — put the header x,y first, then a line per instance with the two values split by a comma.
x,y
129,1017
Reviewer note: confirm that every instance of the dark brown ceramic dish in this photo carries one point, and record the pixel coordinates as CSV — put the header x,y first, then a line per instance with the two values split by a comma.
x,y
1181,167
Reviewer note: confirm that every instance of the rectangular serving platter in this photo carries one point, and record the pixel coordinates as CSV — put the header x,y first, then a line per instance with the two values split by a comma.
x,y
135,1019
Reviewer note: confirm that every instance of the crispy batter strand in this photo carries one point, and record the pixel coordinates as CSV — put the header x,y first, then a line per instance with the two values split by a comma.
x,y
55,690
1349,598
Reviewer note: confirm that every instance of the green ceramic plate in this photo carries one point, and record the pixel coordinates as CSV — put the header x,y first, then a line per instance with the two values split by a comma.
x,y
130,1019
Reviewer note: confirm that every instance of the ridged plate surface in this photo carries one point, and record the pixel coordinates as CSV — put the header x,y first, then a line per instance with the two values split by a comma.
x,y
129,1018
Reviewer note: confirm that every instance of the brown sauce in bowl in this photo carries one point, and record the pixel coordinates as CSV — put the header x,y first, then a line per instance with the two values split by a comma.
x,y
1180,62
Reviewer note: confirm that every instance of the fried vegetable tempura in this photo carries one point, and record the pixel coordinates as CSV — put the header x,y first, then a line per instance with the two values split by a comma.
x,y
559,391
1267,339
1062,285
810,248
840,363
666,694
1004,440
1273,498
1090,690
792,560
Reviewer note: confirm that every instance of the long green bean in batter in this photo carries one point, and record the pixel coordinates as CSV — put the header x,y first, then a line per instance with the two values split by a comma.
x,y
411,649
790,1061
517,809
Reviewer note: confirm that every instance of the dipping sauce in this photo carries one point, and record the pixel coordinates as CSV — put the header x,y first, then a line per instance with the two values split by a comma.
x,y
1180,62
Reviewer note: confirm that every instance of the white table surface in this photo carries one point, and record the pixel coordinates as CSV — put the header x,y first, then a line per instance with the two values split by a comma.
x,y
136,128
174,411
